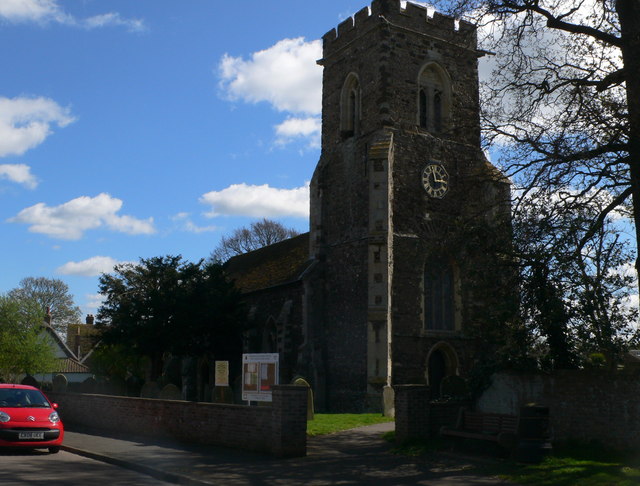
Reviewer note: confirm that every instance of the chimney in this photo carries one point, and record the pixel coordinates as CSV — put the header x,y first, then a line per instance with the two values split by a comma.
x,y
47,317
89,319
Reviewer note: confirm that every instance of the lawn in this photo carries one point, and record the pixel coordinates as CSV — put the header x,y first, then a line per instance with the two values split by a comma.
x,y
569,465
583,465
328,423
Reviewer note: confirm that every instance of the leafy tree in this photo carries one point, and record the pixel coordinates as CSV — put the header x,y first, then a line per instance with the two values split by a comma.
x,y
563,103
576,292
537,295
117,361
259,234
23,346
52,294
164,304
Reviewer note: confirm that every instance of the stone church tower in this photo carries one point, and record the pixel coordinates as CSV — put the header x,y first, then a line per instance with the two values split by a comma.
x,y
383,290
387,297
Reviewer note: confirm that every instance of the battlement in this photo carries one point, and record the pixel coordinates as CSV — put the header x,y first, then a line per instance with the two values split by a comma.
x,y
413,17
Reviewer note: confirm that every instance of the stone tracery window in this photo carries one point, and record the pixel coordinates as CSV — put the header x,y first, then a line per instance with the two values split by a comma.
x,y
439,296
434,98
350,106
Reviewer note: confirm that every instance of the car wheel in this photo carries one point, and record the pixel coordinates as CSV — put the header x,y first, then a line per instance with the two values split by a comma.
x,y
54,450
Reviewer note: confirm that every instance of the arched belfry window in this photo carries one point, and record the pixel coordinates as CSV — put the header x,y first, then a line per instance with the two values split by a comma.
x,y
434,98
350,106
439,296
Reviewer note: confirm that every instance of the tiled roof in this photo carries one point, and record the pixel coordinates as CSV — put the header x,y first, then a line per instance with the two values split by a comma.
x,y
68,365
273,265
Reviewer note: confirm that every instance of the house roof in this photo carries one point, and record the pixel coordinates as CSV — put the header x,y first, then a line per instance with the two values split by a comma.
x,y
70,363
278,264
58,340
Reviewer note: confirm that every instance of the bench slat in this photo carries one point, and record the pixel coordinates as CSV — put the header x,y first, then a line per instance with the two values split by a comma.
x,y
484,426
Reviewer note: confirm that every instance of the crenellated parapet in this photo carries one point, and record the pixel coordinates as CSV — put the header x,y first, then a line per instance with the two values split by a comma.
x,y
413,17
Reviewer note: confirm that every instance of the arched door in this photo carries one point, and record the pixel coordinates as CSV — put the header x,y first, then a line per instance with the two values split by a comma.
x,y
437,370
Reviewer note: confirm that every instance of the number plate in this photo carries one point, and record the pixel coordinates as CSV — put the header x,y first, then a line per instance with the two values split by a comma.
x,y
30,435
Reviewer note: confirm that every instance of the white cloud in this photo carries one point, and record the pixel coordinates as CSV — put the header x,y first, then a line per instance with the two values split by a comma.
x,y
258,201
31,11
285,75
93,301
70,220
186,224
90,267
293,128
19,173
46,11
26,122
113,19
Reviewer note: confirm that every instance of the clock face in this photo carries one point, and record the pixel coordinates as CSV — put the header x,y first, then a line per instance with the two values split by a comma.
x,y
435,180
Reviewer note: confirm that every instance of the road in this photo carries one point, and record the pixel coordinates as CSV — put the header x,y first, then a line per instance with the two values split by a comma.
x,y
18,468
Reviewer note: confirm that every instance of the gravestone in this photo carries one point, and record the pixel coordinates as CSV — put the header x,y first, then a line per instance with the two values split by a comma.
x,y
89,385
222,394
150,390
170,392
60,383
303,382
31,381
188,377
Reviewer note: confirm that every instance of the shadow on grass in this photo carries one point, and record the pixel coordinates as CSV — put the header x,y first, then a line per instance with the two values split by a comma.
x,y
581,464
570,464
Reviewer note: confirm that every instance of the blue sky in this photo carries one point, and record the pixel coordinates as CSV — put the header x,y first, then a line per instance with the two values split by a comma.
x,y
139,128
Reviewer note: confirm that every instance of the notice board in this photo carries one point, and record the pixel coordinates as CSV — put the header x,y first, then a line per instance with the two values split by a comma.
x,y
259,373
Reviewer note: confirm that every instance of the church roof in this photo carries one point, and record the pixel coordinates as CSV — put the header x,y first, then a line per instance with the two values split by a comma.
x,y
278,264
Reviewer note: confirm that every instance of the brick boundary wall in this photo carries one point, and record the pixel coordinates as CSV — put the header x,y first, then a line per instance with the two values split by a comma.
x,y
583,405
419,417
279,429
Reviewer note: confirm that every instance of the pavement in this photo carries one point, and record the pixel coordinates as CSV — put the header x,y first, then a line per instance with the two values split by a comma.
x,y
353,457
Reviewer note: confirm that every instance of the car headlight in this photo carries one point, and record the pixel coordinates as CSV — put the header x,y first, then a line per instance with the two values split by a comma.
x,y
4,417
54,417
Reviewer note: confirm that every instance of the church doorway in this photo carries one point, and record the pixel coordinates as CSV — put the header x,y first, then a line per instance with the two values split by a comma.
x,y
442,362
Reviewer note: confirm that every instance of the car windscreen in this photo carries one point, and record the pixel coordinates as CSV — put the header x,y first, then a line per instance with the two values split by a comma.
x,y
16,397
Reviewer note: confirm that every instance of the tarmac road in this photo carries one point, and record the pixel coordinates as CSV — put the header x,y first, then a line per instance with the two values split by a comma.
x,y
355,457
26,467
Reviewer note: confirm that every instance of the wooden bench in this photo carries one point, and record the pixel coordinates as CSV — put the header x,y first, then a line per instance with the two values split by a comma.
x,y
495,427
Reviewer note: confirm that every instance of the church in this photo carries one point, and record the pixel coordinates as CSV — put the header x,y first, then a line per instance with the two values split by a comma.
x,y
382,289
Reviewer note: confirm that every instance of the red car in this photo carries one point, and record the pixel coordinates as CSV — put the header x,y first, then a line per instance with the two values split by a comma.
x,y
28,419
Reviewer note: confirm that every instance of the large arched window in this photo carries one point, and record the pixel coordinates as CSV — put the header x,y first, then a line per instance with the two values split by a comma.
x,y
439,296
269,337
350,106
434,98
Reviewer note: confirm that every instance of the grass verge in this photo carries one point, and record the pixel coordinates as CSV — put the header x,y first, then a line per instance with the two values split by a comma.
x,y
579,464
328,423
570,464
